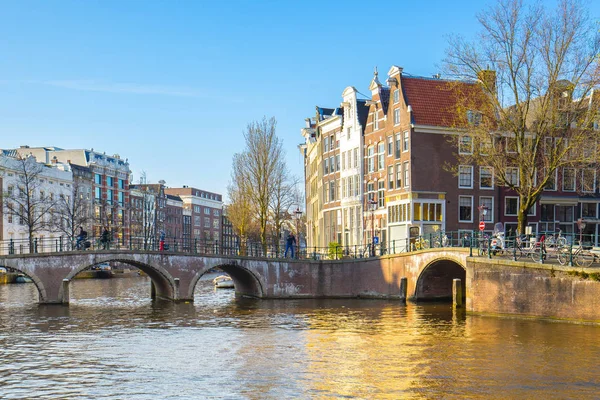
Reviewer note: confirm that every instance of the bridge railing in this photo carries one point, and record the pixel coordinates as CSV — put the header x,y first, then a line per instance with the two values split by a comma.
x,y
56,244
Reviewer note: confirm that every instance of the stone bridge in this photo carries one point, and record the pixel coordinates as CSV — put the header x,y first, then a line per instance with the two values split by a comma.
x,y
428,273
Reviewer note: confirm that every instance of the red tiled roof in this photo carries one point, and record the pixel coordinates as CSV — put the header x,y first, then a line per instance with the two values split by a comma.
x,y
434,101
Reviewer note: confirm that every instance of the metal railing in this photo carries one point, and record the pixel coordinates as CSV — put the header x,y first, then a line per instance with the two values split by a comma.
x,y
275,249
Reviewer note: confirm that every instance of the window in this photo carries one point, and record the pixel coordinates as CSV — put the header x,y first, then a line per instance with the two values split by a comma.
x,y
331,164
381,156
206,211
98,179
474,117
109,196
406,174
206,222
511,205
551,183
465,208
375,121
465,144
331,190
370,191
390,145
326,166
465,177
391,177
398,176
97,194
337,162
216,213
121,184
371,159
109,181
396,96
396,116
356,158
405,142
485,145
588,180
215,224
344,161
568,184
512,176
121,198
488,205
486,178
398,145
325,144
348,132
588,210
381,193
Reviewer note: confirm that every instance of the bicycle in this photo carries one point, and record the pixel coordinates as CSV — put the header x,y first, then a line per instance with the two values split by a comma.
x,y
420,244
531,249
555,241
440,242
582,256
483,247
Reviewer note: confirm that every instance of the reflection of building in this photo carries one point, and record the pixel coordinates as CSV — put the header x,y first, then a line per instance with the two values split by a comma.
x,y
206,208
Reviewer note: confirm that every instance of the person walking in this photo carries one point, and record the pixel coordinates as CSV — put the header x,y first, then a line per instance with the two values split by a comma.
x,y
289,244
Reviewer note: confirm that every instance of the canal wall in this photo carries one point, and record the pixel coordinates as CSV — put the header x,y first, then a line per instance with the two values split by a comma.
x,y
503,287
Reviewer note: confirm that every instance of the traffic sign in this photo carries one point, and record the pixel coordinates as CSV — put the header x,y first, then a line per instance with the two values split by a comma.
x,y
376,240
481,226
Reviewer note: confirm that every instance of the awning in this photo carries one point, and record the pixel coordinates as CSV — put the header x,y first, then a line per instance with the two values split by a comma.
x,y
559,200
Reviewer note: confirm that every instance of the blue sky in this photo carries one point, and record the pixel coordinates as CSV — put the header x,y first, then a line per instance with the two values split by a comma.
x,y
171,85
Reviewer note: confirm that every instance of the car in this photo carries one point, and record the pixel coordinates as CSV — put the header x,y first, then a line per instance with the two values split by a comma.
x,y
3,270
102,267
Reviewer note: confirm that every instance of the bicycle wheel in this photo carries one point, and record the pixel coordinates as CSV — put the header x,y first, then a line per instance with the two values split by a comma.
x,y
561,241
481,250
535,255
425,244
563,256
584,259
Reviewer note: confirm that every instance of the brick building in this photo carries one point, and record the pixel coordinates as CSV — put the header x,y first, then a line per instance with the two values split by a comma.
x,y
206,209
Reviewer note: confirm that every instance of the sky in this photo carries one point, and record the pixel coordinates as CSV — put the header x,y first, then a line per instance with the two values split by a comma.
x,y
172,85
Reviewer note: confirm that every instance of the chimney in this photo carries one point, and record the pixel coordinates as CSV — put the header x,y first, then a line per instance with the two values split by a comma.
x,y
488,78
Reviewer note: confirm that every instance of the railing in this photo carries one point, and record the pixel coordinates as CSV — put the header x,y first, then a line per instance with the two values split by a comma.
x,y
249,249
559,248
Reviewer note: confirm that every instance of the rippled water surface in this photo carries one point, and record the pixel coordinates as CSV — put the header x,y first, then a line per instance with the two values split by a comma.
x,y
112,342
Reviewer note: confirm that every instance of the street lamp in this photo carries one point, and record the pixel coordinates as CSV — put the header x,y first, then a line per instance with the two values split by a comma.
x,y
298,214
373,205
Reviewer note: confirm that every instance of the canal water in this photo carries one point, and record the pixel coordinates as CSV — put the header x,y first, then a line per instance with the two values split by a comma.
x,y
112,342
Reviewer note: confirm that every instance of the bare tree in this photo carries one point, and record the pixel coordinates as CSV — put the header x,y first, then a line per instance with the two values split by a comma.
x,y
239,211
284,198
257,167
27,203
534,113
71,212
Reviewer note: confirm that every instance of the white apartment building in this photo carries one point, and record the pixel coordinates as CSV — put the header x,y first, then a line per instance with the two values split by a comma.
x,y
55,180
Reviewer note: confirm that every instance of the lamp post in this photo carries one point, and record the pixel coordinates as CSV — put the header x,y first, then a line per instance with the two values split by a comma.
x,y
372,205
298,214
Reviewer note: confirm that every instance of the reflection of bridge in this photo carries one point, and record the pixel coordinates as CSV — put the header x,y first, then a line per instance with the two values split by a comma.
x,y
428,274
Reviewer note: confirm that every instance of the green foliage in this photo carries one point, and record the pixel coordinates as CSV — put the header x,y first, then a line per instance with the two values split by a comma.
x,y
594,276
334,251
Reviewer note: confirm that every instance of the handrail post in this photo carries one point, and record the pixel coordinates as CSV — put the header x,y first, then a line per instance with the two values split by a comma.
x,y
489,247
470,248
515,249
571,253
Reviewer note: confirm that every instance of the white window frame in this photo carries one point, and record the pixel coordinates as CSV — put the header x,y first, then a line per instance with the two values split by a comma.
x,y
406,173
555,182
405,141
510,174
460,143
396,116
375,121
489,217
491,169
472,211
574,180
396,96
583,180
505,204
462,169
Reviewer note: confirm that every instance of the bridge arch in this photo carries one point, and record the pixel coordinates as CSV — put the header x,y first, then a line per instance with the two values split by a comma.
x,y
435,279
164,283
39,284
246,282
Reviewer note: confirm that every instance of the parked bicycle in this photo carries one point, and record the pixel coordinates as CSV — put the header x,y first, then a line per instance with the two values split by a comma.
x,y
556,240
420,243
582,256
529,248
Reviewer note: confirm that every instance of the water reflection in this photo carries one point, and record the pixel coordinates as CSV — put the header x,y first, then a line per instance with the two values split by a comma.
x,y
113,342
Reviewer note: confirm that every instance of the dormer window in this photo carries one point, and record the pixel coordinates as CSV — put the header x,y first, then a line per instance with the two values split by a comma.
x,y
375,121
473,117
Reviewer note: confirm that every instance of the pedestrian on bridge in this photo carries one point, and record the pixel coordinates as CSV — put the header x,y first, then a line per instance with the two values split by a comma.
x,y
161,241
105,239
289,244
